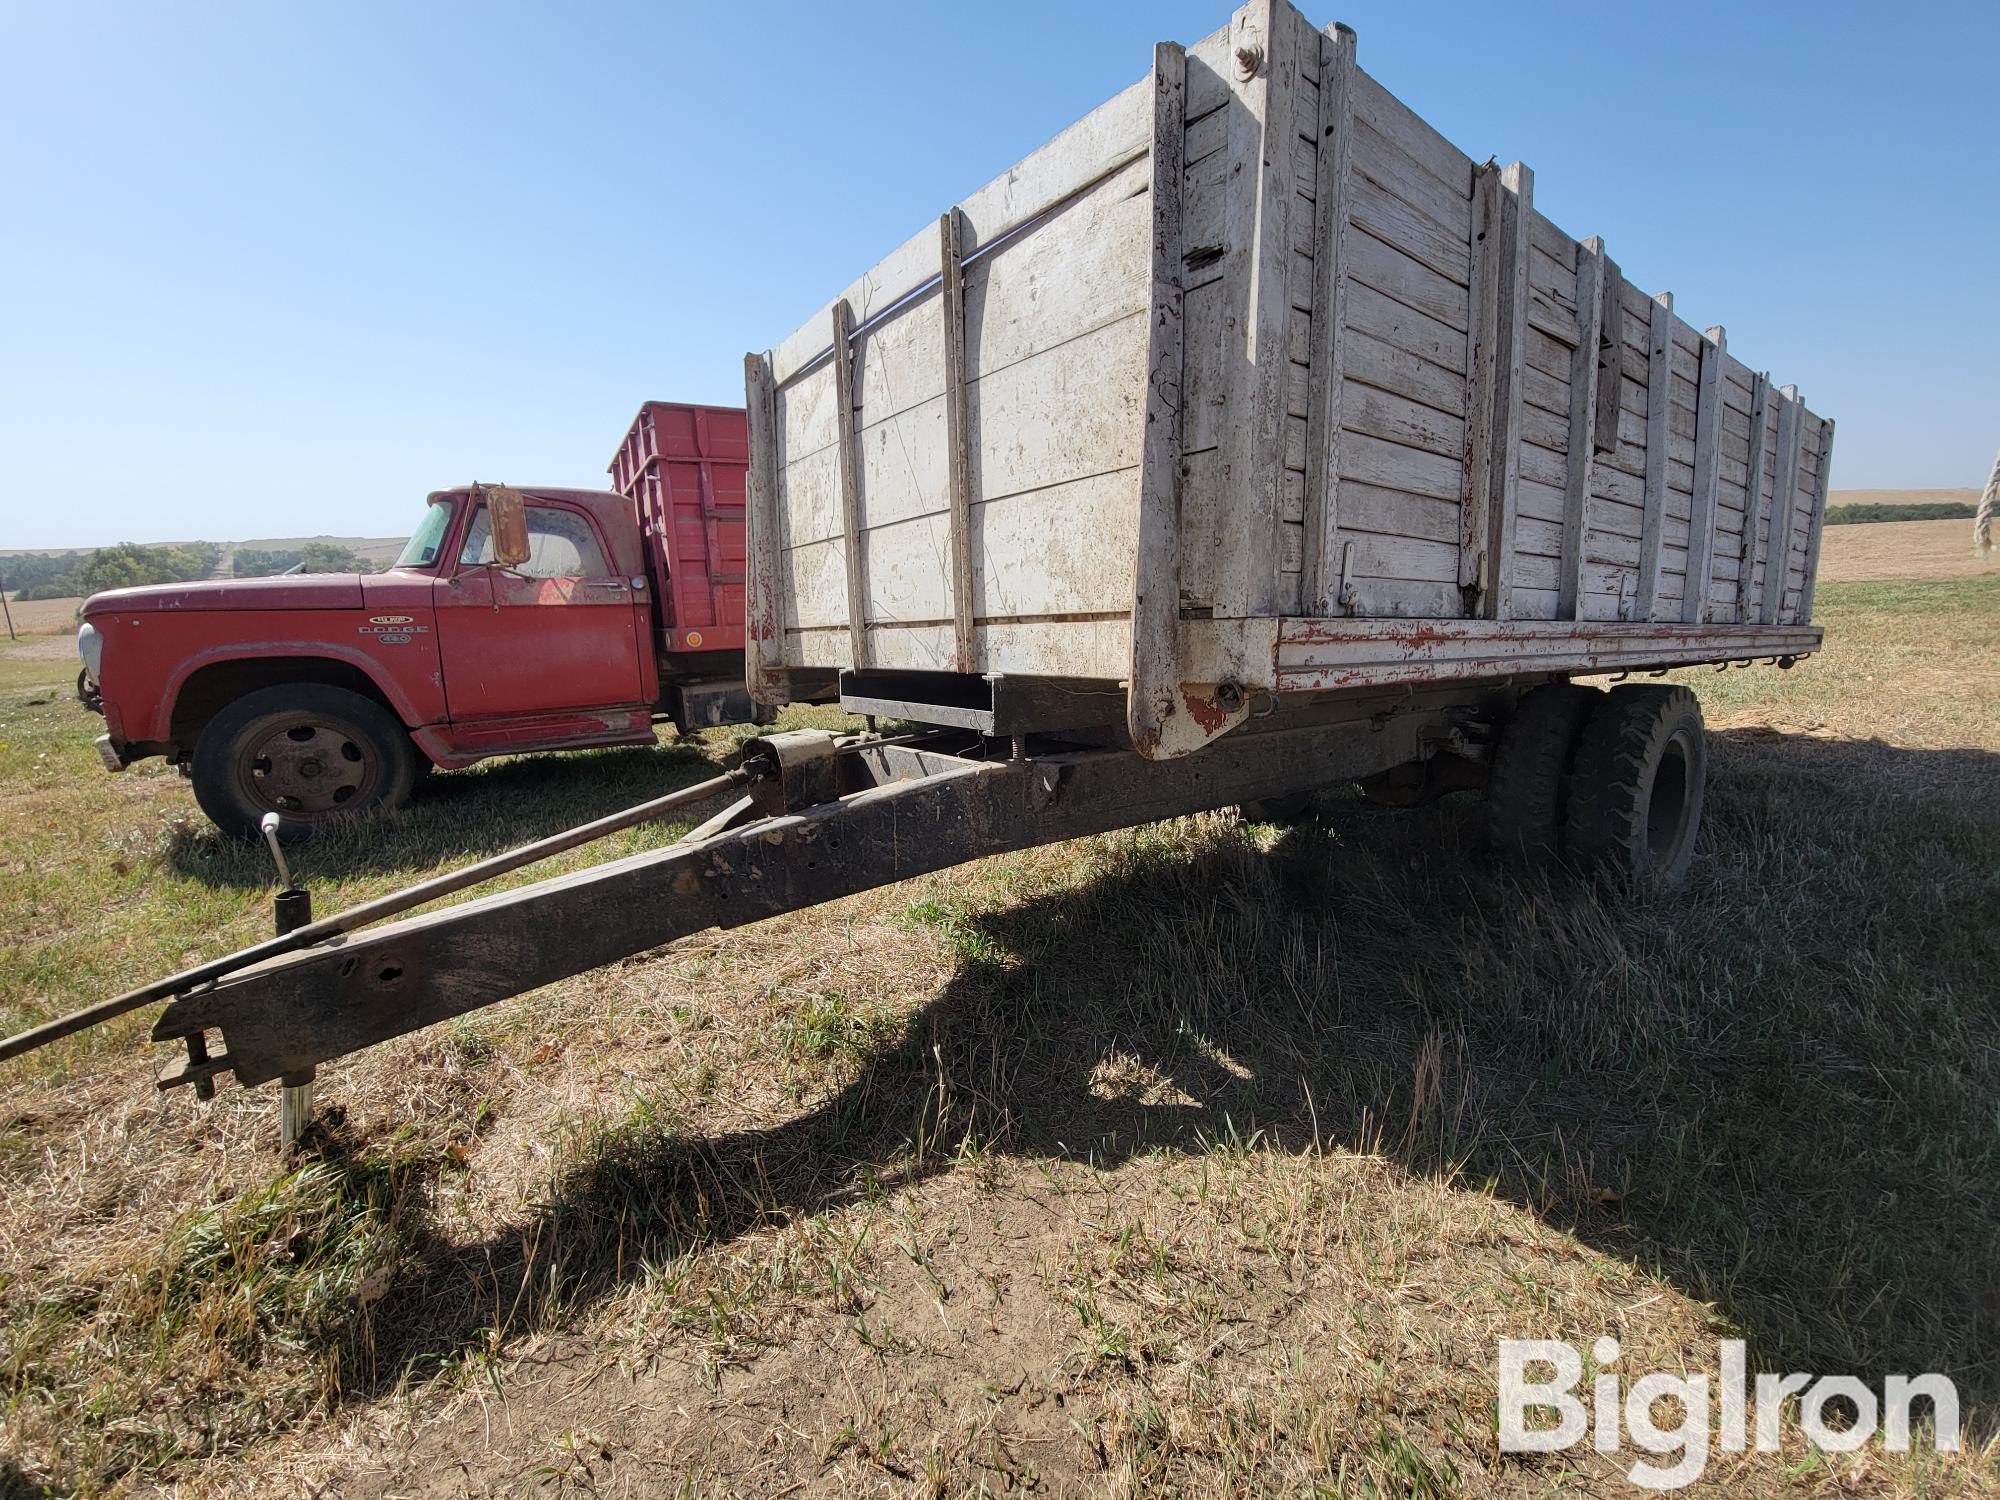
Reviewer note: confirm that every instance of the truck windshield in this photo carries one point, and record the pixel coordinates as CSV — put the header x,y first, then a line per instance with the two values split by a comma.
x,y
421,550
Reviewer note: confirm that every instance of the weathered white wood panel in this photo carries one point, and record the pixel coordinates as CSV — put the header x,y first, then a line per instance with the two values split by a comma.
x,y
1253,341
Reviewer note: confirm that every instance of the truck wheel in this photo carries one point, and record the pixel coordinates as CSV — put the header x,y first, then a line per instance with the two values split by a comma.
x,y
1531,771
1636,787
307,752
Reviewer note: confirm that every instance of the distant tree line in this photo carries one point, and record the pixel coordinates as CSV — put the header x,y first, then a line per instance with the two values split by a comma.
x,y
34,576
309,557
29,573
1929,510
64,575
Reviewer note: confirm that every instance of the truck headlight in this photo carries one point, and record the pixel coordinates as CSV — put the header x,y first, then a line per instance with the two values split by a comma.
x,y
90,646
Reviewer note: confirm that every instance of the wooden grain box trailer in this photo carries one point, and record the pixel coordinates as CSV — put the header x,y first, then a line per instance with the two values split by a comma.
x,y
1245,439
1251,384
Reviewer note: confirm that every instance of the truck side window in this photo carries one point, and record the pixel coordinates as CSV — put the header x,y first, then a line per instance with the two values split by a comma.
x,y
560,545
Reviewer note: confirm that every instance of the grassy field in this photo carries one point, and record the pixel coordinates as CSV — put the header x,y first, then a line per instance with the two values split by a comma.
x,y
1207,1159
1884,550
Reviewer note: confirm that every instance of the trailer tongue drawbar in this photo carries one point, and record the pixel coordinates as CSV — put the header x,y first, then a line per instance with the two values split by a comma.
x,y
824,816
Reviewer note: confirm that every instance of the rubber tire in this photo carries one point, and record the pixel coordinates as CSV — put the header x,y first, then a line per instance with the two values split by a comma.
x,y
1629,813
214,776
1529,780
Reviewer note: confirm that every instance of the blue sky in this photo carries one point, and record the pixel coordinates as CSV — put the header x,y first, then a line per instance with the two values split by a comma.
x,y
279,269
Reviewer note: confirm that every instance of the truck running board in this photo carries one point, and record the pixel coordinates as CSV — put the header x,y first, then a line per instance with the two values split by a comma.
x,y
837,817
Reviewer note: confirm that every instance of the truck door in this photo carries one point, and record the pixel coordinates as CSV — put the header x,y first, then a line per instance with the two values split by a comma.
x,y
560,632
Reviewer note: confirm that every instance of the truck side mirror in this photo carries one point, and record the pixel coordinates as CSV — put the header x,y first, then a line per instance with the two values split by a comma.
x,y
509,514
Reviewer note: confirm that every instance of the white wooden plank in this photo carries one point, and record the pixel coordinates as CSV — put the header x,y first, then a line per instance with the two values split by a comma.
x,y
1369,507
1372,460
1159,530
1755,504
1582,449
1784,487
1393,169
1417,235
1517,206
1405,328
1257,227
1326,383
764,625
1055,551
1108,138
1481,363
1657,378
1069,273
850,484
1707,456
1386,268
1818,522
1329,654
1397,123
1547,239
1371,361
958,435
1398,420
1610,351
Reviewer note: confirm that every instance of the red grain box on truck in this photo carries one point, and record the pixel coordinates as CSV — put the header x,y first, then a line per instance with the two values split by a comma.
x,y
684,467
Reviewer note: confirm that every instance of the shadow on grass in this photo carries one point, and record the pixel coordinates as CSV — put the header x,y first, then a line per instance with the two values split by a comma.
x,y
457,815
1774,1088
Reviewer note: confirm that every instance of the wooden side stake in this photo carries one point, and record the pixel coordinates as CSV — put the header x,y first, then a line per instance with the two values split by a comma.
x,y
1702,514
958,437
850,481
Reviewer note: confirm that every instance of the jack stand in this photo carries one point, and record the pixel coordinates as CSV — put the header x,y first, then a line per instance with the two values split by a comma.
x,y
291,909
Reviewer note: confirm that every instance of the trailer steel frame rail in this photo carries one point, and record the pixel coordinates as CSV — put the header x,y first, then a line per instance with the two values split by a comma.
x,y
830,817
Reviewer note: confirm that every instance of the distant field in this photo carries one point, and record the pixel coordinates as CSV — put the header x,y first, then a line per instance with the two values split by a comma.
x,y
43,616
1900,549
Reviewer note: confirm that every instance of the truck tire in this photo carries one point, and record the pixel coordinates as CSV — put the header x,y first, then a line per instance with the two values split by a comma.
x,y
1530,776
308,752
1636,786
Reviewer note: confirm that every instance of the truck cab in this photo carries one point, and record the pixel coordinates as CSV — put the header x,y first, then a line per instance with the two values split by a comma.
x,y
515,619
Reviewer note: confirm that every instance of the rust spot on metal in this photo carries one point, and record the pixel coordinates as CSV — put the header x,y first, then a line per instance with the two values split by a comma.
x,y
1210,715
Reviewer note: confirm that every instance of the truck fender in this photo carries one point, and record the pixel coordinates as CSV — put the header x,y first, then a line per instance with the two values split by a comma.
x,y
318,650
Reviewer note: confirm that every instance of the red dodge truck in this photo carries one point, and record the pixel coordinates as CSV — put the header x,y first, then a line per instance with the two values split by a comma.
x,y
515,619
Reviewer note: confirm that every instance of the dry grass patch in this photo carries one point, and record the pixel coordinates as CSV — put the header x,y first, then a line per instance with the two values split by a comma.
x,y
1901,549
46,617
1210,1158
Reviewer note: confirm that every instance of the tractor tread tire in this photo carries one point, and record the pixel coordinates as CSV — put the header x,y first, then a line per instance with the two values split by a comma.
x,y
1636,787
1531,771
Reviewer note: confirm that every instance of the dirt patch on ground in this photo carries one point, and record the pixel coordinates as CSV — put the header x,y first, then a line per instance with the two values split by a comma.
x,y
1900,549
43,648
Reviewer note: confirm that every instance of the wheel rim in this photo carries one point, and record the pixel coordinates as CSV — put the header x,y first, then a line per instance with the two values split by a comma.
x,y
308,768
1667,804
